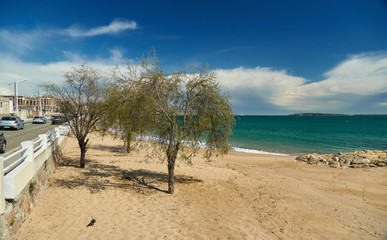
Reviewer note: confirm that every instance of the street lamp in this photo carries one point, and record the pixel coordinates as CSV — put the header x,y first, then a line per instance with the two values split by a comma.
x,y
16,97
40,104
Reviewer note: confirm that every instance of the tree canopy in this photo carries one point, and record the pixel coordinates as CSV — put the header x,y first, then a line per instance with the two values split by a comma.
x,y
182,110
80,102
124,110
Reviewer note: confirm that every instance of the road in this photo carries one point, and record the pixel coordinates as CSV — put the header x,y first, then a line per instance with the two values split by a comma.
x,y
30,132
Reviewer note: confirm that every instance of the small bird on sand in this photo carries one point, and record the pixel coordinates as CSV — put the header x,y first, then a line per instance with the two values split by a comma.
x,y
91,223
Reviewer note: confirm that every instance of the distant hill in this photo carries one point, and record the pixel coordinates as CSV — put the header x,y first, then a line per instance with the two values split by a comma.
x,y
375,114
318,114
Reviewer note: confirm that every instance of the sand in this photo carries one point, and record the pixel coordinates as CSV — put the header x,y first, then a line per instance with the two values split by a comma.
x,y
239,196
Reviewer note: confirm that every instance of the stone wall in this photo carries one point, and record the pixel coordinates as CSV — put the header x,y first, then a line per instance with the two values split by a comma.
x,y
357,159
18,210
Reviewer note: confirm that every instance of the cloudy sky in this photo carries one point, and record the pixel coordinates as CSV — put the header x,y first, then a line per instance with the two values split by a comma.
x,y
274,57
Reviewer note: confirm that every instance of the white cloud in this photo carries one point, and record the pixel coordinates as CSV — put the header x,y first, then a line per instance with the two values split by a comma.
x,y
356,85
19,42
350,83
73,57
12,69
114,27
262,83
361,74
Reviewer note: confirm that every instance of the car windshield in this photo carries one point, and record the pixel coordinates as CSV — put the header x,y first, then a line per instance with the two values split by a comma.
x,y
8,118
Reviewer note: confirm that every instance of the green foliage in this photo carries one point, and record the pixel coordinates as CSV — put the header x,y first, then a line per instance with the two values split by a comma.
x,y
190,108
31,187
180,109
80,101
124,110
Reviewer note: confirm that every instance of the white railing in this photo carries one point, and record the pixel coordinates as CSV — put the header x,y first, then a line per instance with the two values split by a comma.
x,y
10,162
18,168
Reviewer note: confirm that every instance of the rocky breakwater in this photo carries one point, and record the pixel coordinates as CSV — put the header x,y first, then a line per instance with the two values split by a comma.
x,y
357,159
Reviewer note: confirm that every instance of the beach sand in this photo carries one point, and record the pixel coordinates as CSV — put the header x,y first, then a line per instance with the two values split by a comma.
x,y
239,196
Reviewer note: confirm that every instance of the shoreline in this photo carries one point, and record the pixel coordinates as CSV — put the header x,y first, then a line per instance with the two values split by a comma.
x,y
254,151
246,150
237,196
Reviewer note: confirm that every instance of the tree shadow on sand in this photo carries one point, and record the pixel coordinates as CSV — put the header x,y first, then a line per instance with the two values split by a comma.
x,y
69,162
115,149
97,177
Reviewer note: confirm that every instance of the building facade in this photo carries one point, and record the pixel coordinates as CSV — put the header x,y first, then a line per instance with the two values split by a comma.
x,y
42,104
4,105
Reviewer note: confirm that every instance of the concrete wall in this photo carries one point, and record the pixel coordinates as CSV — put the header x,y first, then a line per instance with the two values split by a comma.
x,y
4,105
27,182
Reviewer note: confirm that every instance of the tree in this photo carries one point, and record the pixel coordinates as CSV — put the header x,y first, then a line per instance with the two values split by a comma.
x,y
80,102
124,110
186,109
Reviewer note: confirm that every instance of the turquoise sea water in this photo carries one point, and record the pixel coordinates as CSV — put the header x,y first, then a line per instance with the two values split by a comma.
x,y
294,135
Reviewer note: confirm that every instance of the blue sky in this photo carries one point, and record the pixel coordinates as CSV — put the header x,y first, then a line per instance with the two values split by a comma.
x,y
274,57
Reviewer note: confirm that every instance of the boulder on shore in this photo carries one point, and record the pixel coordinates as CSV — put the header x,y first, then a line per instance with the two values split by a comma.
x,y
357,159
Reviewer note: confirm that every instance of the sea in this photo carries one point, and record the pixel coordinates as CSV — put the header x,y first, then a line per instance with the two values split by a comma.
x,y
294,135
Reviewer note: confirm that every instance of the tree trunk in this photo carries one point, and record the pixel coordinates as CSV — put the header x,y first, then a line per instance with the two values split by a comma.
x,y
171,177
83,157
82,146
172,155
128,140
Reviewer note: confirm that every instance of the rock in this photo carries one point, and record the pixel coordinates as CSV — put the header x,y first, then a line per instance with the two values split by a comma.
x,y
357,159
302,158
359,166
335,165
366,161
331,161
361,161
348,161
321,163
312,160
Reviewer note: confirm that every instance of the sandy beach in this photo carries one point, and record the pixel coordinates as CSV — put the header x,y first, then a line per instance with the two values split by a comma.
x,y
239,196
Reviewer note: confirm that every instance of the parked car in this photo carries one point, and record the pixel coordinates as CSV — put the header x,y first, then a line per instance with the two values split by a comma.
x,y
11,122
39,119
3,143
56,119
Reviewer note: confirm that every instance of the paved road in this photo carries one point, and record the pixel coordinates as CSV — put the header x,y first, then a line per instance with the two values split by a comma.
x,y
30,132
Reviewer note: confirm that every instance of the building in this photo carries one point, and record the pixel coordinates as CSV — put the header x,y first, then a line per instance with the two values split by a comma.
x,y
5,105
39,105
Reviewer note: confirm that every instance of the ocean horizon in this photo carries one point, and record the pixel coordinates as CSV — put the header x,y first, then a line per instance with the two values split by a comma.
x,y
301,134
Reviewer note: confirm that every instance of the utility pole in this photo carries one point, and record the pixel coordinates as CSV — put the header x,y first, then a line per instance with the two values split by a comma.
x,y
16,100
40,105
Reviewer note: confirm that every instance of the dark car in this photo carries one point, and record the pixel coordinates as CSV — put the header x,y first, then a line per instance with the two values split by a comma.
x,y
56,120
3,143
